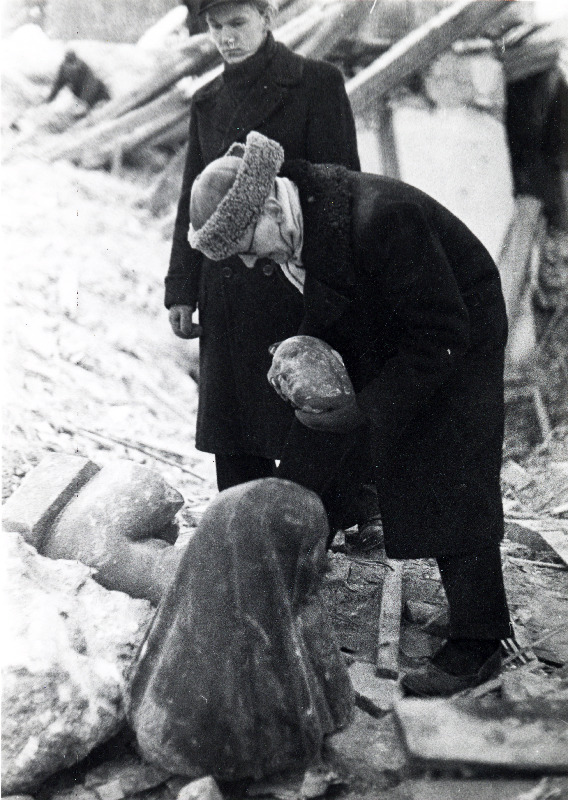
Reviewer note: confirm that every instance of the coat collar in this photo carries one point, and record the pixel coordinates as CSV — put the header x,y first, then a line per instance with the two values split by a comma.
x,y
285,69
327,252
326,201
268,94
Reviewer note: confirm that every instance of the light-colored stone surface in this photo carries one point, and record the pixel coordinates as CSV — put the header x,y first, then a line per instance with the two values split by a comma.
x,y
31,509
202,789
67,646
528,736
368,747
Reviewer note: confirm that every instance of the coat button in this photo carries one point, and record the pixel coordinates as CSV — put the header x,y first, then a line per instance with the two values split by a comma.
x,y
226,272
268,269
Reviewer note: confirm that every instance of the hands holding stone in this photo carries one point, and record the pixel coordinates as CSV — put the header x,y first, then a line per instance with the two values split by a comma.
x,y
311,376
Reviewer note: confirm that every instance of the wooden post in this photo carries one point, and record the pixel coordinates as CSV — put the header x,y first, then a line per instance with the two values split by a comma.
x,y
386,665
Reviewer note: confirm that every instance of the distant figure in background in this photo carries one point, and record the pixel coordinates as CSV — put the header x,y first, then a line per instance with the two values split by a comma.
x,y
302,104
81,79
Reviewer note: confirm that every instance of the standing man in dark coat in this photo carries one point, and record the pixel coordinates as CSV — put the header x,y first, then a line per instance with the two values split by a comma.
x,y
412,301
302,104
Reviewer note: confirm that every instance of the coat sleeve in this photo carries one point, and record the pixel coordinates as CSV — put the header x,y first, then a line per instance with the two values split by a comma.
x,y
331,137
182,280
415,278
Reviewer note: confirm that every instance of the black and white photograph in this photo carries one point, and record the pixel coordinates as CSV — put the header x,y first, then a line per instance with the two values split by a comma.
x,y
285,399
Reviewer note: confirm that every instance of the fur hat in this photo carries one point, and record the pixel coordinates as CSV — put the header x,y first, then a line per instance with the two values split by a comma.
x,y
227,198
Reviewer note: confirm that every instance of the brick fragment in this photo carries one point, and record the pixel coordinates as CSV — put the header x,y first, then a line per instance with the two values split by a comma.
x,y
44,492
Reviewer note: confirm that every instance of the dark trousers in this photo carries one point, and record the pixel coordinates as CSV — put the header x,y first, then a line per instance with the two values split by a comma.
x,y
473,582
476,595
238,468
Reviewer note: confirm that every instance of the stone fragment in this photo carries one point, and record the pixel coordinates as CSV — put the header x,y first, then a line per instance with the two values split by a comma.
x,y
527,684
68,646
45,490
19,797
110,791
497,789
370,748
419,612
202,789
317,781
528,736
110,527
374,695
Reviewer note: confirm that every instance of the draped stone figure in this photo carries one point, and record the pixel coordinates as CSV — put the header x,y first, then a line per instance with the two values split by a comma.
x,y
240,675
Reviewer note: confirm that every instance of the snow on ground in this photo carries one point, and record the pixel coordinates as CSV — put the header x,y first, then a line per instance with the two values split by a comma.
x,y
87,345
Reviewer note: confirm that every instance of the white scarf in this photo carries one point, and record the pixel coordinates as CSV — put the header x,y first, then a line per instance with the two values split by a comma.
x,y
292,232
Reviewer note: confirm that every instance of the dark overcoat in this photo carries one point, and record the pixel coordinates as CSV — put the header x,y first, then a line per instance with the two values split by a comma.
x,y
302,104
412,300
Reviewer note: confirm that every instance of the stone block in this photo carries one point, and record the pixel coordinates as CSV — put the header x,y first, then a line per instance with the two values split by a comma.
x,y
112,526
529,736
419,612
202,789
374,695
43,493
370,748
68,646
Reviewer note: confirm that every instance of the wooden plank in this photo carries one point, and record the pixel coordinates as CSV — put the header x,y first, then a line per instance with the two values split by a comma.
x,y
415,51
386,665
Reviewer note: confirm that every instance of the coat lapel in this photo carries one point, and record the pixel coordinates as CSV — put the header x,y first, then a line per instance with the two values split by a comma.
x,y
268,95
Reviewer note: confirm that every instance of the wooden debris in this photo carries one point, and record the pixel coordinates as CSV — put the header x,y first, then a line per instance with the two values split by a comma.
x,y
528,736
416,50
515,257
32,508
532,563
386,665
515,475
147,450
533,645
553,532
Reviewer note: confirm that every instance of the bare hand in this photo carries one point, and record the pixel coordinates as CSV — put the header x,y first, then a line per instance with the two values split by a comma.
x,y
182,324
340,420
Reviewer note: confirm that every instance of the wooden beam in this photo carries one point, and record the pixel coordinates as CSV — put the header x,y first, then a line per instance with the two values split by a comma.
x,y
386,665
514,262
416,50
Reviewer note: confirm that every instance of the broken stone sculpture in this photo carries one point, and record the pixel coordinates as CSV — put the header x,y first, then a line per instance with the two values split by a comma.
x,y
309,374
112,520
240,675
67,646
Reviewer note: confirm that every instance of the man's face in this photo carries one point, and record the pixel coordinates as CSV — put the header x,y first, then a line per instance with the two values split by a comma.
x,y
264,240
237,29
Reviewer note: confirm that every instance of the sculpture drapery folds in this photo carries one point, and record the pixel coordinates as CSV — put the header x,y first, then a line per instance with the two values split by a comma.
x,y
240,676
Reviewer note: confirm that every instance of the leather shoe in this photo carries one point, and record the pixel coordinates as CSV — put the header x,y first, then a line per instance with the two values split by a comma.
x,y
369,536
432,681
